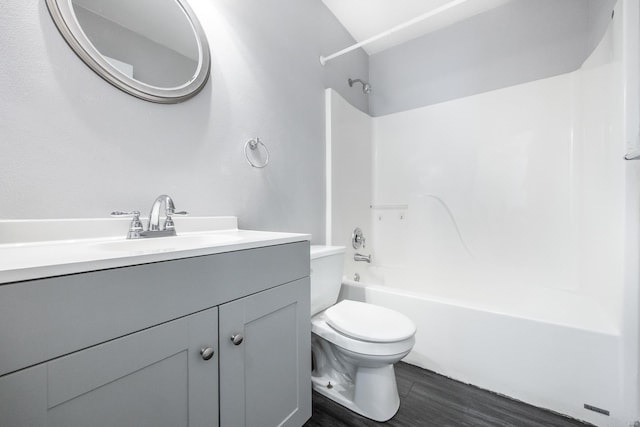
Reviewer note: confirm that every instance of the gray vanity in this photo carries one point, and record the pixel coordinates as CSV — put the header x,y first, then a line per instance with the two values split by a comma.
x,y
211,335
207,327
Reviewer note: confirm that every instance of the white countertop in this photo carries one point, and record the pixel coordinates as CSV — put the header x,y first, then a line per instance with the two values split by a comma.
x,y
98,244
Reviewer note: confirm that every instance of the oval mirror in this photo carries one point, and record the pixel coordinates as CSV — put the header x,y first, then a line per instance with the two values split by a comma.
x,y
153,49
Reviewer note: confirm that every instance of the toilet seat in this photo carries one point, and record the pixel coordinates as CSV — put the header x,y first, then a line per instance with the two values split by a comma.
x,y
321,327
368,322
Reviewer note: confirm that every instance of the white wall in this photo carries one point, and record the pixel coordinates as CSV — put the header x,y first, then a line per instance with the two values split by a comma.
x,y
74,146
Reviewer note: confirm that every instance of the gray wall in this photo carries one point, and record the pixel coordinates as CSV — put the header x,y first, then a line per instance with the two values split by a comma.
x,y
74,146
522,41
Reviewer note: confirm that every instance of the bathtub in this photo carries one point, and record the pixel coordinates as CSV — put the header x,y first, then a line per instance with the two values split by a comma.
x,y
519,341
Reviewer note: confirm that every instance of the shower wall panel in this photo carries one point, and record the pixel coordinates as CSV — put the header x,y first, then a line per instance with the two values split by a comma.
x,y
521,187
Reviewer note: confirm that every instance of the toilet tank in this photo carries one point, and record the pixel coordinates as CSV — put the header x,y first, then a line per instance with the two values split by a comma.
x,y
326,276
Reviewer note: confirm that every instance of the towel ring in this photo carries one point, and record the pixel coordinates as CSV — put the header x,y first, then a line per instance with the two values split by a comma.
x,y
253,144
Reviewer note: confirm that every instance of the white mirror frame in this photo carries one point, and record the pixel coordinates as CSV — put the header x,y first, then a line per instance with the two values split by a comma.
x,y
64,17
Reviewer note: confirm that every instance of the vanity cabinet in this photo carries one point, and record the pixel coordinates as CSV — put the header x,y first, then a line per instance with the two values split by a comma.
x,y
155,369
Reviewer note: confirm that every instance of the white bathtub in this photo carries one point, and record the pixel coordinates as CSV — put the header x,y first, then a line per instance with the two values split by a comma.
x,y
523,343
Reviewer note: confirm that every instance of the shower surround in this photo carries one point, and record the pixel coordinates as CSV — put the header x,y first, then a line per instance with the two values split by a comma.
x,y
497,223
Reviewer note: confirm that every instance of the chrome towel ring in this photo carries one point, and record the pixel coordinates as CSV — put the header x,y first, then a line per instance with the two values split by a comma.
x,y
254,144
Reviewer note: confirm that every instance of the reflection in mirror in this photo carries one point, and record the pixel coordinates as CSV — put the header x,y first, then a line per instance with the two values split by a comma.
x,y
161,50
153,49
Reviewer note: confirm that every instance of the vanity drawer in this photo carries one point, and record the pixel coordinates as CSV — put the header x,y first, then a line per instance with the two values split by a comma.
x,y
48,318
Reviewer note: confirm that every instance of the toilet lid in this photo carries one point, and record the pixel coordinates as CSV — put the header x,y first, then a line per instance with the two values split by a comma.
x,y
369,322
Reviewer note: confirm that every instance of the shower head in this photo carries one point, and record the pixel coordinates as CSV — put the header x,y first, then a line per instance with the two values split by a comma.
x,y
366,87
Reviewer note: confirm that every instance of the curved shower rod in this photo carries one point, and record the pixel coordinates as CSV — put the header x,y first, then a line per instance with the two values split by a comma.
x,y
420,18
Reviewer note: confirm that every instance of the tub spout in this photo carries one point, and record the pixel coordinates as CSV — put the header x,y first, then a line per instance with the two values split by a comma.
x,y
360,257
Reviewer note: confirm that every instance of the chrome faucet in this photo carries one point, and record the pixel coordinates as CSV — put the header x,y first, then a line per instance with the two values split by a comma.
x,y
168,229
154,215
137,231
360,257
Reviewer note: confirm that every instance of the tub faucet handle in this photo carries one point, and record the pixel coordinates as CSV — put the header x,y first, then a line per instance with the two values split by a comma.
x,y
357,239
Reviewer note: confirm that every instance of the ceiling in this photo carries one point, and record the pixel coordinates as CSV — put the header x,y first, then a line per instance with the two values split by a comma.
x,y
367,18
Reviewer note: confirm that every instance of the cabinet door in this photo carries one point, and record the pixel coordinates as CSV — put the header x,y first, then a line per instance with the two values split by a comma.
x,y
23,398
156,377
265,381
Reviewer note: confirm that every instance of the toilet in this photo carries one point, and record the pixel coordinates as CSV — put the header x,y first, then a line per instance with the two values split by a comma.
x,y
354,344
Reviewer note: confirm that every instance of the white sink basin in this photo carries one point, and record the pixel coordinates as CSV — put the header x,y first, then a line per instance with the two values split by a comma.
x,y
167,244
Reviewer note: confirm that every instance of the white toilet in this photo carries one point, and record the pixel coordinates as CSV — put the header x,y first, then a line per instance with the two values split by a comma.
x,y
354,344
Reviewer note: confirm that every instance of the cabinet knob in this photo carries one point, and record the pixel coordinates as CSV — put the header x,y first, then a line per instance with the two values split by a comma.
x,y
237,339
207,353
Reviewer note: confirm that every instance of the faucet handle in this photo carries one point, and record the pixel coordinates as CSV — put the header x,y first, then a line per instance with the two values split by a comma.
x,y
171,212
357,239
136,225
168,223
120,213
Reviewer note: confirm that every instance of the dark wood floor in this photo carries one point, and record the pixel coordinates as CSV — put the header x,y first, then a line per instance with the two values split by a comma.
x,y
431,400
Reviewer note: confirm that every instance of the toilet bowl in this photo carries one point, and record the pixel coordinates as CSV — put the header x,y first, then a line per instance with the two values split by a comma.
x,y
354,344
